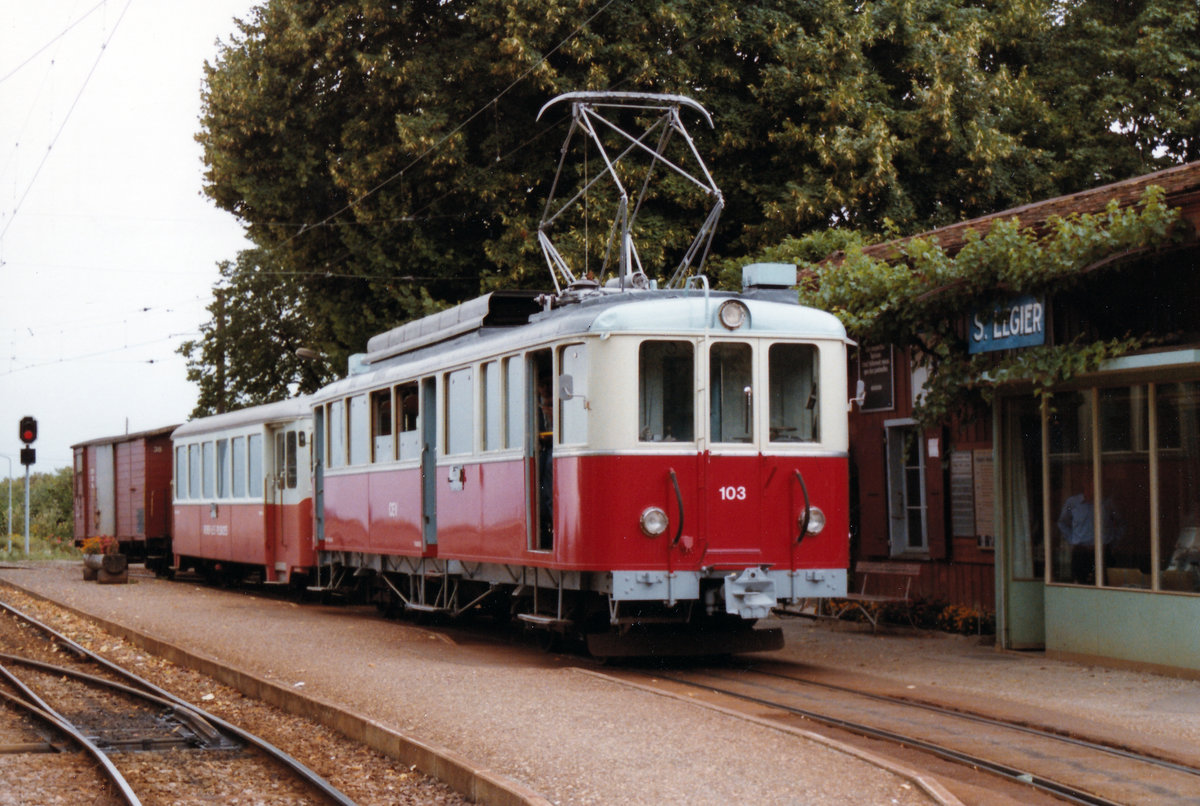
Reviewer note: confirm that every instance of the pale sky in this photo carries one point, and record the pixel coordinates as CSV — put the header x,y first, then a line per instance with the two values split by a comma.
x,y
108,248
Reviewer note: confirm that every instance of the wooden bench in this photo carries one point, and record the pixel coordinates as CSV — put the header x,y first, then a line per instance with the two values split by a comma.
x,y
896,581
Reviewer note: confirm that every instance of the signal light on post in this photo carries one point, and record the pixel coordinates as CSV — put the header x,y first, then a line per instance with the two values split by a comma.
x,y
28,429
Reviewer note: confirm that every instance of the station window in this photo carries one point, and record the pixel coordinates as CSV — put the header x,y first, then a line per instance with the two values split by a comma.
x,y
666,384
384,449
408,409
1119,509
792,374
460,412
255,446
239,467
359,428
731,388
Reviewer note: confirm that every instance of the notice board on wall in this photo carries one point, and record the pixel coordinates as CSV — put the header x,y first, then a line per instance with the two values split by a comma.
x,y
962,493
972,496
985,497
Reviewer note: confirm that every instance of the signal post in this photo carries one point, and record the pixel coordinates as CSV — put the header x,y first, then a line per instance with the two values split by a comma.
x,y
28,433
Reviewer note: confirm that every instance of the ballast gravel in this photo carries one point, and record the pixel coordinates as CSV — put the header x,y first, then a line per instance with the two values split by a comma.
x,y
570,736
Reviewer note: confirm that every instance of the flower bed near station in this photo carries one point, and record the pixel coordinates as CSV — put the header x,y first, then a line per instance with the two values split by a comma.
x,y
926,614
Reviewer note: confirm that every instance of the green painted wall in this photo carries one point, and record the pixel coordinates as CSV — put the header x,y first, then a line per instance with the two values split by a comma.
x,y
1124,624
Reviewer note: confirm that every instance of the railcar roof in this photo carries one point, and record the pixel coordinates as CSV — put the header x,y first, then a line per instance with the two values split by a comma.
x,y
281,411
683,313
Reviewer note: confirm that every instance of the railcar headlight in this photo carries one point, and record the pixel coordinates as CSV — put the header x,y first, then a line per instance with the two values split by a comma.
x,y
733,314
816,520
654,522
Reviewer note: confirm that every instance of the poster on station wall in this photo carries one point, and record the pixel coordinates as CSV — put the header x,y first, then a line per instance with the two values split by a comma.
x,y
876,369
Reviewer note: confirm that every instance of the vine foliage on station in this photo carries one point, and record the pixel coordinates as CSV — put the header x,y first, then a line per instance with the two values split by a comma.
x,y
918,295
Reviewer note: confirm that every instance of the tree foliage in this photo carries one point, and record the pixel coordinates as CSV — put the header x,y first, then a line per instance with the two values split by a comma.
x,y
51,514
386,158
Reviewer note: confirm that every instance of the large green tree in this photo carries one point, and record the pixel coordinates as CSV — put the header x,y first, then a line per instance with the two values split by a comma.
x,y
387,157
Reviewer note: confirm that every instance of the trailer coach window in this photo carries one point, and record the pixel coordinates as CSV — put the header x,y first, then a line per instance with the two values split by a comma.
x,y
210,470
239,467
460,412
256,465
666,380
732,392
792,371
181,472
285,458
222,468
193,471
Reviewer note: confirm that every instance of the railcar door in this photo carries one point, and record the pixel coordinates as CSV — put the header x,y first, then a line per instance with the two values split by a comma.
x,y
734,484
429,441
539,450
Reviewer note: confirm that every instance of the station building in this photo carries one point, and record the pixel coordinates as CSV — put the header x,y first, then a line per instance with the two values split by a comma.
x,y
1003,513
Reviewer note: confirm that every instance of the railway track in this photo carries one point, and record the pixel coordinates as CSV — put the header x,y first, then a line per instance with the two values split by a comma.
x,y
146,745
1064,767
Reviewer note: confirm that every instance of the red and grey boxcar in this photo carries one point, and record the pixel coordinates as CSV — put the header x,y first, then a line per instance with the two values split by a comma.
x,y
122,489
653,469
243,493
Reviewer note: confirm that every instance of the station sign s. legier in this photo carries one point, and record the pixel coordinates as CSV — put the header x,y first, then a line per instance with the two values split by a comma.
x,y
1018,322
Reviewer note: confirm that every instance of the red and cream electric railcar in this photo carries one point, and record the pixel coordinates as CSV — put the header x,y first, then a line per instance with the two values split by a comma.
x,y
243,493
653,469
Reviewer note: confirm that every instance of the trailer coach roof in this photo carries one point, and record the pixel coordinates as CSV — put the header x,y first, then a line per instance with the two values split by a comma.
x,y
282,411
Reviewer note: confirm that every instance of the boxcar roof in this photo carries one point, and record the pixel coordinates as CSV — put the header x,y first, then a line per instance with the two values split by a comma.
x,y
282,411
151,434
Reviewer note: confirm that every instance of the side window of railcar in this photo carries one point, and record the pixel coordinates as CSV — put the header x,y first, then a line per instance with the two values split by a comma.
x,y
223,468
384,449
181,472
731,392
193,471
514,393
572,398
408,406
256,465
239,467
337,434
359,417
666,380
792,376
493,424
460,412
